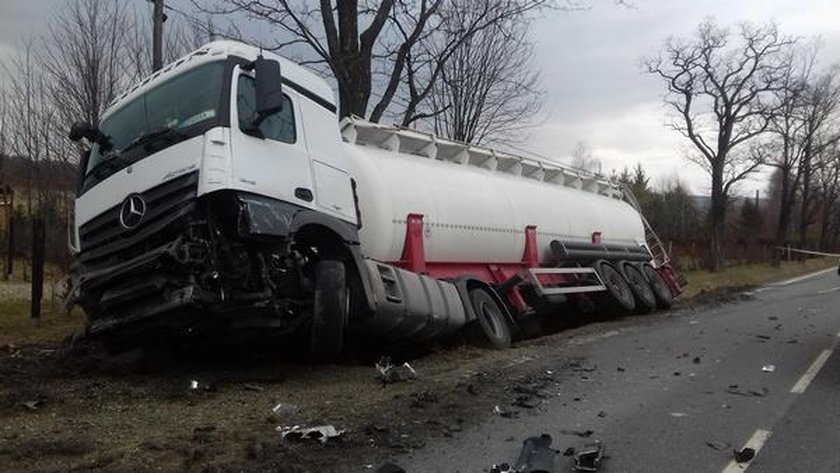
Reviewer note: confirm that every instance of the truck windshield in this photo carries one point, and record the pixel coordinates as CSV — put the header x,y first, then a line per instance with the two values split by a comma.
x,y
184,106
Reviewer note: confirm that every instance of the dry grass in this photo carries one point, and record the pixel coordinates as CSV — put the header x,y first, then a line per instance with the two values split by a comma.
x,y
751,274
18,328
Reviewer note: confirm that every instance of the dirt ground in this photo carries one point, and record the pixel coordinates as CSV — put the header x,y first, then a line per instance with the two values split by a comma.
x,y
195,409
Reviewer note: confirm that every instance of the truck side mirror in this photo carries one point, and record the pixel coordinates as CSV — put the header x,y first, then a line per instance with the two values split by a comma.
x,y
269,88
81,130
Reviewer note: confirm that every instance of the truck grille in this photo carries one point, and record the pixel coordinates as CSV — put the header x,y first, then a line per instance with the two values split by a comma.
x,y
104,238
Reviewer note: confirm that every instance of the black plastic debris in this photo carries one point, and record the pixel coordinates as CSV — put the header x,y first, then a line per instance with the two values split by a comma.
x,y
390,468
537,456
696,360
569,452
744,455
588,457
527,401
717,444
579,433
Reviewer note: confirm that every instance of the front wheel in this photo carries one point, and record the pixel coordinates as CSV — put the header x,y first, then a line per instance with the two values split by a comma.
x,y
330,310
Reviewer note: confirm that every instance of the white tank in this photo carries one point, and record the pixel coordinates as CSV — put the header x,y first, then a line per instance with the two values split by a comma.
x,y
475,202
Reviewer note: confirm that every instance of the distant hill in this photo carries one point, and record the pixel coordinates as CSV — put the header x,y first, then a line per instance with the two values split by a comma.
x,y
16,172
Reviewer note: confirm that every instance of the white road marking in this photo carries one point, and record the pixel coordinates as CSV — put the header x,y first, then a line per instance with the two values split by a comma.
x,y
826,291
755,442
803,277
810,373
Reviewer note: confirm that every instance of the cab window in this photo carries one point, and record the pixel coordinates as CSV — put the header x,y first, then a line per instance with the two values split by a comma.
x,y
279,126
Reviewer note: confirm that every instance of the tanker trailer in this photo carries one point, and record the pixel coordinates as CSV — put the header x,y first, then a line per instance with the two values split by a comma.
x,y
220,196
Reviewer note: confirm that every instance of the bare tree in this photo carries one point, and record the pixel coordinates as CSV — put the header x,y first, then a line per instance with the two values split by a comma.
x,y
583,159
720,93
785,143
84,58
821,98
488,88
827,178
354,39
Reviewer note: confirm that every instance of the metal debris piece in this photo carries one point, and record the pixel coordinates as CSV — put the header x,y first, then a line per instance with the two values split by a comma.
x,y
744,455
717,444
322,433
389,373
768,368
678,414
253,387
537,456
588,457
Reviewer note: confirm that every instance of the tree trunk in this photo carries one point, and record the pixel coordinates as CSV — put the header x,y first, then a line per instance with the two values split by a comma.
x,y
785,207
717,217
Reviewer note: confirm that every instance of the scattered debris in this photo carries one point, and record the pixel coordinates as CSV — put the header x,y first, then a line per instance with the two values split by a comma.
x,y
696,360
677,373
620,369
389,373
501,468
577,366
569,452
423,398
537,456
791,340
390,468
579,433
196,385
773,317
763,337
744,455
32,405
678,414
322,433
718,445
588,457
505,412
734,389
283,407
602,414
527,401
768,368
693,322
253,387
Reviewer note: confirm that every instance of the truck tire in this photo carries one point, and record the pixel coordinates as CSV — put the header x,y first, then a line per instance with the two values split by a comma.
x,y
645,299
619,296
490,329
664,297
329,310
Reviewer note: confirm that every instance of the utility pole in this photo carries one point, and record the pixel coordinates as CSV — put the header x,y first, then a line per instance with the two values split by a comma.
x,y
157,35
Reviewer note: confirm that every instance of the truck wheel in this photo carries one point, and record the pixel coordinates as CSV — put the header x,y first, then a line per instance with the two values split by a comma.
x,y
490,329
645,299
664,297
330,310
619,294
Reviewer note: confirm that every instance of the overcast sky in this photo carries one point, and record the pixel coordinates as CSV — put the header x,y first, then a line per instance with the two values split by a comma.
x,y
589,63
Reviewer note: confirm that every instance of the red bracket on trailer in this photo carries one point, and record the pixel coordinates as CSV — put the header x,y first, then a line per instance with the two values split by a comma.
x,y
414,253
531,256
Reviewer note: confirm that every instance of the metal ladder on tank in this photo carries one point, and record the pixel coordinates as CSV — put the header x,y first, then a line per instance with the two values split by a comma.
x,y
654,244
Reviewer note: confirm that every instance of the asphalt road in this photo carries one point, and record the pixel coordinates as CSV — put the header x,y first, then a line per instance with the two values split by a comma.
x,y
662,389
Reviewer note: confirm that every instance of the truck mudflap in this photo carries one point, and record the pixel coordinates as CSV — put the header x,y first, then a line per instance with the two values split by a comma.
x,y
410,306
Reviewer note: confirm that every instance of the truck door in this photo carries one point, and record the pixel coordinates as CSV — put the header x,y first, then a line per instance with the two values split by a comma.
x,y
271,159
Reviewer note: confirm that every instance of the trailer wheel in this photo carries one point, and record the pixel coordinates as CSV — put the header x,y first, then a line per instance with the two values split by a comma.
x,y
330,310
619,294
490,329
645,299
664,297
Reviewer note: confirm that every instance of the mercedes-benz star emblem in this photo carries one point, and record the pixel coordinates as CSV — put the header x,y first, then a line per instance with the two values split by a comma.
x,y
132,211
